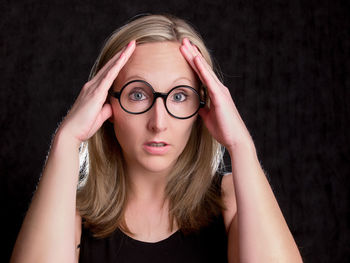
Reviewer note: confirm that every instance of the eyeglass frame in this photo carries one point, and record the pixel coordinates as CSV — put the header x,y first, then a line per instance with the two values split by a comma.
x,y
164,96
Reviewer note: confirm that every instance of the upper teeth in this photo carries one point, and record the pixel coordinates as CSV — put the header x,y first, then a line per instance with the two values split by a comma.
x,y
157,144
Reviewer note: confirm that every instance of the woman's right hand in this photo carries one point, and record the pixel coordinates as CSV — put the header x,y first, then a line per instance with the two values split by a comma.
x,y
90,111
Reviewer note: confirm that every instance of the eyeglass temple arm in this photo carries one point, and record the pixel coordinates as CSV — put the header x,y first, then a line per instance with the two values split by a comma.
x,y
202,103
115,94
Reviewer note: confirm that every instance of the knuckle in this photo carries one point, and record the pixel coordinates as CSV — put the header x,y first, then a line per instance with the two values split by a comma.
x,y
88,88
86,85
96,91
210,81
109,75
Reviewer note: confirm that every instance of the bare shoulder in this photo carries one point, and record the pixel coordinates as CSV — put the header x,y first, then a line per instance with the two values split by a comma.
x,y
229,199
77,234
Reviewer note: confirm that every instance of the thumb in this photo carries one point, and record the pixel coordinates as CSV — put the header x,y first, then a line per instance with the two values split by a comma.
x,y
203,112
104,114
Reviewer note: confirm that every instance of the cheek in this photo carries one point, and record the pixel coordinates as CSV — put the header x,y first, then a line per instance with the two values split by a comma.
x,y
184,130
123,127
127,134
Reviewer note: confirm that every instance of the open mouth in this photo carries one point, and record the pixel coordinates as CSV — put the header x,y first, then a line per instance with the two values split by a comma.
x,y
156,147
153,144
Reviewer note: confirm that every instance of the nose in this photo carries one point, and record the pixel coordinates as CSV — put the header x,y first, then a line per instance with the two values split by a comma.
x,y
158,116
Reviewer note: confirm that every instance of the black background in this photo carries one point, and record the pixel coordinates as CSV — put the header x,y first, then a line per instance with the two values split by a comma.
x,y
286,64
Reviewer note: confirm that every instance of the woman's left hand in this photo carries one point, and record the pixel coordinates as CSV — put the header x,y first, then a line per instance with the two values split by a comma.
x,y
222,118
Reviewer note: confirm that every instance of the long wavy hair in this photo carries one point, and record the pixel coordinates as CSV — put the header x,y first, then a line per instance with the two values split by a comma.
x,y
193,194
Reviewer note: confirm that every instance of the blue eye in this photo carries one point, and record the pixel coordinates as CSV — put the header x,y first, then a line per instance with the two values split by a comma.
x,y
179,97
137,95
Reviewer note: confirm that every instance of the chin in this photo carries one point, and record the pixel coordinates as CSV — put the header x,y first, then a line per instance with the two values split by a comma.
x,y
157,164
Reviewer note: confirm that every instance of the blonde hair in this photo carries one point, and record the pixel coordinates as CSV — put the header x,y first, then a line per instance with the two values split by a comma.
x,y
194,197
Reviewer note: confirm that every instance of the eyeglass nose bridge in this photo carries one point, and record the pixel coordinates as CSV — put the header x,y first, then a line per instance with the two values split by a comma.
x,y
157,95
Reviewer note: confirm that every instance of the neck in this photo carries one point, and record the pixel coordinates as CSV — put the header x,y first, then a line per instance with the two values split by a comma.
x,y
146,186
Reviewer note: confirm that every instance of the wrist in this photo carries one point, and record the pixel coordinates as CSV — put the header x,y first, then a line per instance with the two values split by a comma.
x,y
240,147
63,137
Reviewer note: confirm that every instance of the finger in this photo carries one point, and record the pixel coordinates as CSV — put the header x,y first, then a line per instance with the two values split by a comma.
x,y
103,115
209,68
189,58
108,78
203,112
209,81
194,50
202,72
112,62
206,73
108,64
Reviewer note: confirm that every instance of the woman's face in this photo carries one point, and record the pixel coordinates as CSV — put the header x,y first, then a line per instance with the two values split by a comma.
x,y
141,136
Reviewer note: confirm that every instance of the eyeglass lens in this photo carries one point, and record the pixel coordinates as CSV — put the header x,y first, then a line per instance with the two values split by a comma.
x,y
138,97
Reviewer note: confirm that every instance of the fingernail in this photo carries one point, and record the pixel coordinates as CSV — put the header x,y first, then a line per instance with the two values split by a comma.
x,y
130,43
186,41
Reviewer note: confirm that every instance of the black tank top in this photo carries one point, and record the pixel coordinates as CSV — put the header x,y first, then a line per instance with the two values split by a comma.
x,y
207,245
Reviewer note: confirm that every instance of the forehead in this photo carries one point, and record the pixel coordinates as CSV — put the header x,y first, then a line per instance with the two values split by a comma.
x,y
161,64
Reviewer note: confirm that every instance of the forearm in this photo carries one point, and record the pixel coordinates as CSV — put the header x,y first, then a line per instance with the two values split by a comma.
x,y
263,232
47,232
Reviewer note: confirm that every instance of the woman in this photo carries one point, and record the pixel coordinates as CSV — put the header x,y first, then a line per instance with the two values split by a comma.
x,y
151,121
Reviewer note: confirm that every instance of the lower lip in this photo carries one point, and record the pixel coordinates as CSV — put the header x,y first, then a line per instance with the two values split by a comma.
x,y
156,150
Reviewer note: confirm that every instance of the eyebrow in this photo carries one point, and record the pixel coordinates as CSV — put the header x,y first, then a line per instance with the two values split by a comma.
x,y
136,77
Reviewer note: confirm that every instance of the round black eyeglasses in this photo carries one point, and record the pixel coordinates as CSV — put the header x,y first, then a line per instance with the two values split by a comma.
x,y
138,96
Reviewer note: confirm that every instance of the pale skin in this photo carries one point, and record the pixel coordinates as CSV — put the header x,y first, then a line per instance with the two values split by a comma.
x,y
255,225
162,66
